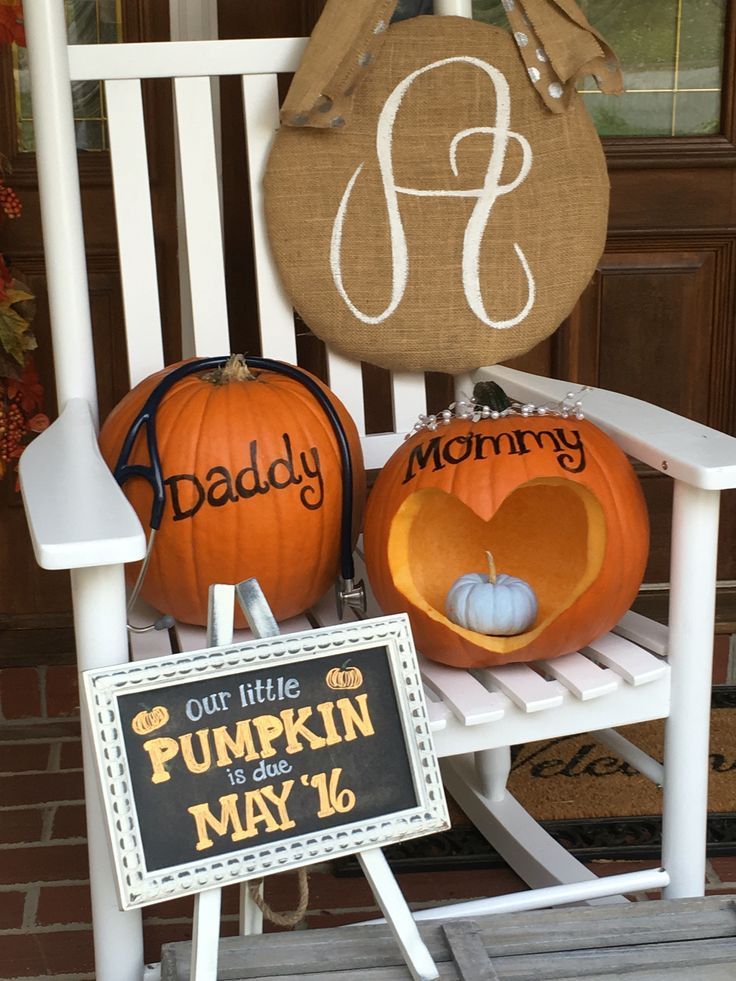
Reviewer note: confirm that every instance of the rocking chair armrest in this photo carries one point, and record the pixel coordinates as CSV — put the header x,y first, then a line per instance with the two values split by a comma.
x,y
682,449
77,514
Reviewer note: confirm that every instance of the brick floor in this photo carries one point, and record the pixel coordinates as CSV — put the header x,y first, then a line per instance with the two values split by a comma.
x,y
45,919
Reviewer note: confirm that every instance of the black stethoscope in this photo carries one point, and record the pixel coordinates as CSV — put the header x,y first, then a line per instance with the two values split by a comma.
x,y
348,593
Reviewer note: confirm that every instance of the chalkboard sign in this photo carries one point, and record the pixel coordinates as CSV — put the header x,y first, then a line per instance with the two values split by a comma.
x,y
234,762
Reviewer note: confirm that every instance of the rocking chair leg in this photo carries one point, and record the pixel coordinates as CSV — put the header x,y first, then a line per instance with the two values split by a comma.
x,y
492,767
692,617
99,595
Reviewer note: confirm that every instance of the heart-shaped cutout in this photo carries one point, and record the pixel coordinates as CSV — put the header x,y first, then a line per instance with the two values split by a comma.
x,y
551,532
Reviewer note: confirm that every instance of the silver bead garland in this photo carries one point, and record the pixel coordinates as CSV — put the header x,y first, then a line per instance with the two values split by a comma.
x,y
466,407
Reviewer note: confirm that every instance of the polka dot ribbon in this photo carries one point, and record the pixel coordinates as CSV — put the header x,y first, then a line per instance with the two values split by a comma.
x,y
345,42
559,46
555,41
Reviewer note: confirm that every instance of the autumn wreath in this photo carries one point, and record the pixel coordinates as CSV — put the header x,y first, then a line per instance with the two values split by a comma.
x,y
21,393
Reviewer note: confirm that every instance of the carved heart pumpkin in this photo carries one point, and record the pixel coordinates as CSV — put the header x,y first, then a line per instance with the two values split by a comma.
x,y
553,498
253,482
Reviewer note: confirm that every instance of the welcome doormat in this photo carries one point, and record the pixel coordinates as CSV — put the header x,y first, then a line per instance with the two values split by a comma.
x,y
589,799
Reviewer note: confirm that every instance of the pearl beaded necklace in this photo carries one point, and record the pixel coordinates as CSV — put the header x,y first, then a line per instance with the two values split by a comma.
x,y
468,408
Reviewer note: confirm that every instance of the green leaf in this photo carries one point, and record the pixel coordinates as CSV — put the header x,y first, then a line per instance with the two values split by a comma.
x,y
14,334
15,294
8,367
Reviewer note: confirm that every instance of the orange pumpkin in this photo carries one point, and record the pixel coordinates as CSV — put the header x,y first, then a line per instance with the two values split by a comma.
x,y
253,484
553,498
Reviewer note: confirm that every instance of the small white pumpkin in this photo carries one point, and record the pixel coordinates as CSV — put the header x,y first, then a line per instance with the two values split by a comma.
x,y
497,604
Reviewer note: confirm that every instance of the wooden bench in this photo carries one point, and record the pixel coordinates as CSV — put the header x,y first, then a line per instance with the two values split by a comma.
x,y
661,940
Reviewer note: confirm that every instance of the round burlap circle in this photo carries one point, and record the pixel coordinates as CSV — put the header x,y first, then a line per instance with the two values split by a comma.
x,y
455,221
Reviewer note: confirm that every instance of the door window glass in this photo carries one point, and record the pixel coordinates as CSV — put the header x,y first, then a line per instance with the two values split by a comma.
x,y
88,21
671,52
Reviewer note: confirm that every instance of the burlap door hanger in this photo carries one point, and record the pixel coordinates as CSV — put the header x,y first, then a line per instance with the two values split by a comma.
x,y
437,195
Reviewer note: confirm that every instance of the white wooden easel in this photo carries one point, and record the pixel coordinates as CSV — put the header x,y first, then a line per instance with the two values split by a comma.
x,y
207,904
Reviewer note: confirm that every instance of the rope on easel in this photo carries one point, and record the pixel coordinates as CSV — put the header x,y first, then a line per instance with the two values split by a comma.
x,y
282,919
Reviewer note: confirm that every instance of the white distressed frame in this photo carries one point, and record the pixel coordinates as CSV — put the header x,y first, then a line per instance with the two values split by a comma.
x,y
103,687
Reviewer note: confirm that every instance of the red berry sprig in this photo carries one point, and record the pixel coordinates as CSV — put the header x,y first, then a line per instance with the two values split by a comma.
x,y
13,428
10,202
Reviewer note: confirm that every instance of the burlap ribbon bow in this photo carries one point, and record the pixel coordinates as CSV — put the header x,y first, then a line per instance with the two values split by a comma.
x,y
559,46
555,41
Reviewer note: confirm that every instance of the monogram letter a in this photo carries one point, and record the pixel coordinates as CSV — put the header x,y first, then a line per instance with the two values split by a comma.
x,y
486,197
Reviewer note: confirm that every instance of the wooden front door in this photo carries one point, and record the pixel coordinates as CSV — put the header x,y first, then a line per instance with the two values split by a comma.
x,y
658,322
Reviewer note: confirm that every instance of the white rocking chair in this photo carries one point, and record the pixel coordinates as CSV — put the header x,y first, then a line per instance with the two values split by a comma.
x,y
82,522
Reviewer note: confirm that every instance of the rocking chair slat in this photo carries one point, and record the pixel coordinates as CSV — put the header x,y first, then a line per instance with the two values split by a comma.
x,y
409,398
470,702
345,379
134,227
644,632
200,190
378,447
584,678
526,689
633,663
437,710
168,59
261,107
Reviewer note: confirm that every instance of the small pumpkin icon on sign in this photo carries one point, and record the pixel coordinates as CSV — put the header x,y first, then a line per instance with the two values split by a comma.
x,y
345,677
150,720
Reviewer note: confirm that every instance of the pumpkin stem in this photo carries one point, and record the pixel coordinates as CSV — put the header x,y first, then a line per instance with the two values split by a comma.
x,y
235,369
491,568
490,394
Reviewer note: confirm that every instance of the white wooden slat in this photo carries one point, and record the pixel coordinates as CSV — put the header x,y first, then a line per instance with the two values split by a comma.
x,y
453,8
633,663
345,378
437,712
261,105
134,228
378,447
470,702
203,227
526,689
583,677
644,632
409,399
180,59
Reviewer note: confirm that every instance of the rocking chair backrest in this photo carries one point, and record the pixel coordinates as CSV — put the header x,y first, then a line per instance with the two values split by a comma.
x,y
191,66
